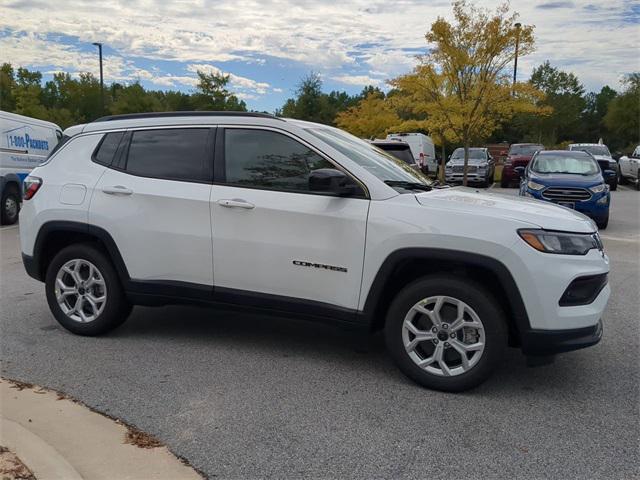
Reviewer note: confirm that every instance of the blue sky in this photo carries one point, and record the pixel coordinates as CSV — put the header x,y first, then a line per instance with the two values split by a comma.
x,y
267,46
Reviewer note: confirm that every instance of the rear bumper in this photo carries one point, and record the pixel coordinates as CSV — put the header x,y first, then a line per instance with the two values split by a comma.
x,y
550,342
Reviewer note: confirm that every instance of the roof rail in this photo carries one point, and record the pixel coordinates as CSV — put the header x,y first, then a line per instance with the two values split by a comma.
x,y
134,116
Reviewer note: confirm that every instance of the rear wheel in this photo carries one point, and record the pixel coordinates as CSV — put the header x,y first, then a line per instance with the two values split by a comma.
x,y
10,207
84,292
445,333
638,180
621,179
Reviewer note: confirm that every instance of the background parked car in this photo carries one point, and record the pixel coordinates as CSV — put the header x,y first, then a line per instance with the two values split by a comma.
x,y
602,155
519,155
422,148
629,168
480,169
400,150
572,179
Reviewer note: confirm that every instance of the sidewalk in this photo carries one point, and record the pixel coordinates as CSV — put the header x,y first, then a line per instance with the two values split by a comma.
x,y
57,438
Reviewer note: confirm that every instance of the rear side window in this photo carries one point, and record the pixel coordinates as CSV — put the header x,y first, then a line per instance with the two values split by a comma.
x,y
107,148
174,154
270,160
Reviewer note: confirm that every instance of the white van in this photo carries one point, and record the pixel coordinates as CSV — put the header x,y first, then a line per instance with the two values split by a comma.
x,y
422,148
24,144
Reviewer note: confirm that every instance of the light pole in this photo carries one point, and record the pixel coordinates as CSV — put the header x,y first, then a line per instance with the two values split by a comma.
x,y
515,63
99,45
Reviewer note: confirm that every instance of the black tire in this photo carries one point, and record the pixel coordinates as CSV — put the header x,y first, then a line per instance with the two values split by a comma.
x,y
480,300
638,180
602,224
504,183
613,186
117,308
621,178
8,217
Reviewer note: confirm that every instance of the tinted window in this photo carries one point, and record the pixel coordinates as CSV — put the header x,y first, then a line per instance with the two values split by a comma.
x,y
402,153
177,154
524,150
260,158
107,148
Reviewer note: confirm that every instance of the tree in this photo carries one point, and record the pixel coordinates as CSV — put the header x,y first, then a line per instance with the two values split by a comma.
x,y
134,99
372,117
7,88
212,93
596,105
309,101
462,87
564,94
623,115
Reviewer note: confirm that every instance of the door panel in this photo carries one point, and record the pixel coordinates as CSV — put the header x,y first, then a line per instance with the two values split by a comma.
x,y
291,244
161,227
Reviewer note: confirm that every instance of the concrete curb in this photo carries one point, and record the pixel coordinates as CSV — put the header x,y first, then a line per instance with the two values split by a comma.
x,y
57,438
42,459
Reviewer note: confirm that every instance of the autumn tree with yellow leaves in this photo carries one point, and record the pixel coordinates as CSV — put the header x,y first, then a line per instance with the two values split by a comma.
x,y
461,91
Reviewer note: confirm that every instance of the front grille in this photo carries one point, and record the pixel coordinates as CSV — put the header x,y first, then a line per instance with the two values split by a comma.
x,y
567,194
460,168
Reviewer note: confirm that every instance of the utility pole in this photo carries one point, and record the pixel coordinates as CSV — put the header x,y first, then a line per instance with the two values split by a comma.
x,y
515,63
99,45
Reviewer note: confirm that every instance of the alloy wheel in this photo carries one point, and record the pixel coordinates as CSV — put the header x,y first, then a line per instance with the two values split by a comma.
x,y
443,336
80,290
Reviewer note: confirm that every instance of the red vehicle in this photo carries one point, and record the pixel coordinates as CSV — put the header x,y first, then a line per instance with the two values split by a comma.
x,y
519,155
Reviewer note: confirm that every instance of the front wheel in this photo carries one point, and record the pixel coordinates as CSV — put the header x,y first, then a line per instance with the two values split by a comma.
x,y
602,224
84,292
446,333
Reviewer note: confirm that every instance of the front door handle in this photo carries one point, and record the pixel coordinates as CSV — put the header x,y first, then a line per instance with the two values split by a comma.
x,y
236,203
117,190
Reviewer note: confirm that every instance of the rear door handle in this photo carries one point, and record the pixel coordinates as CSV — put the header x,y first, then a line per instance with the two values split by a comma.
x,y
117,190
236,203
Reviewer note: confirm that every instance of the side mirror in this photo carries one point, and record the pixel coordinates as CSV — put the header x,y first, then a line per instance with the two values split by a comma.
x,y
330,180
519,170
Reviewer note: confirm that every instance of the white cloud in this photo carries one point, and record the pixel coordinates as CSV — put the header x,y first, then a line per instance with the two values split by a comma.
x,y
359,80
594,40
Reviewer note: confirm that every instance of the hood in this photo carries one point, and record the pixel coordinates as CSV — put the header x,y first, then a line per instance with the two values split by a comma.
x,y
526,211
566,179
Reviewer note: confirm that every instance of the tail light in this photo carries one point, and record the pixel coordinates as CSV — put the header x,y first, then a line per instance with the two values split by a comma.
x,y
30,186
421,158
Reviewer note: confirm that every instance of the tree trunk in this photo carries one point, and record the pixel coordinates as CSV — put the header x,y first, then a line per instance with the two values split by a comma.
x,y
467,144
443,160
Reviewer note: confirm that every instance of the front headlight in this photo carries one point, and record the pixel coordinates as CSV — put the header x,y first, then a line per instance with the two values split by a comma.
x,y
561,242
534,186
599,188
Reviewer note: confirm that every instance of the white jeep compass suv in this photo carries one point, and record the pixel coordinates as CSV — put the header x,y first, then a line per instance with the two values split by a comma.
x,y
290,217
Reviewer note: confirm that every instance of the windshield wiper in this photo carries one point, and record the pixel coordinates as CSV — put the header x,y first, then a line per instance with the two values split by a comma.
x,y
409,185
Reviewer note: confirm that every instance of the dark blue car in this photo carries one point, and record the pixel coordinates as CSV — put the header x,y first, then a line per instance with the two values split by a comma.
x,y
572,179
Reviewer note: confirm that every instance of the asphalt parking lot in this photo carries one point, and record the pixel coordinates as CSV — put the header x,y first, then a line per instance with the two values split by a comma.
x,y
242,396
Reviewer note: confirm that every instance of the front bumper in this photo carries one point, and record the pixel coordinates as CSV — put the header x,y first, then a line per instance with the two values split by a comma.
x,y
472,177
549,342
591,208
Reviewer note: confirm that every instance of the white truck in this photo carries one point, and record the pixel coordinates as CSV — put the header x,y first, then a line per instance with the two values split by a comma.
x,y
422,148
24,144
629,170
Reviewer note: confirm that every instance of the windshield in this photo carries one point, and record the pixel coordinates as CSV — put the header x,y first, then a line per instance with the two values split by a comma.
x,y
384,166
576,164
524,150
401,151
601,150
474,154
